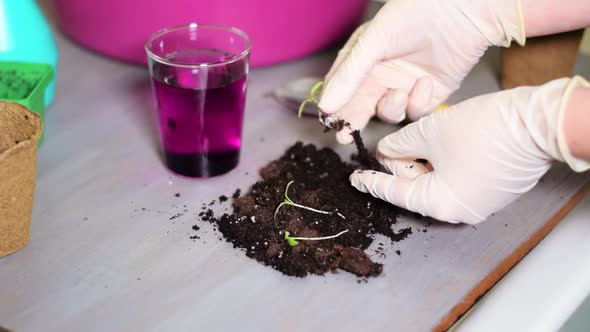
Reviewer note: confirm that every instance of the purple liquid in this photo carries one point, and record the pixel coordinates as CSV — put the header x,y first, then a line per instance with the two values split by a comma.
x,y
200,112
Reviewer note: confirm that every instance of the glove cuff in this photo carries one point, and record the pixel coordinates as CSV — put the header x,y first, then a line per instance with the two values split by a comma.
x,y
499,22
578,165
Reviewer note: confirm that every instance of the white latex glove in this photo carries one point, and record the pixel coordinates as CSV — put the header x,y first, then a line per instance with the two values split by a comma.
x,y
412,56
485,152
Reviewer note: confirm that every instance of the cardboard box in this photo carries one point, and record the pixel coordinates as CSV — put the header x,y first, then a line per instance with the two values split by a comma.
x,y
541,60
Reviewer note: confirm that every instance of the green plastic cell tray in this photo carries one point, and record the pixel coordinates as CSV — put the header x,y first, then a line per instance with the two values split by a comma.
x,y
25,83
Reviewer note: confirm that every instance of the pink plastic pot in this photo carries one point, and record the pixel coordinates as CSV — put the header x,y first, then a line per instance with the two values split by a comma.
x,y
280,29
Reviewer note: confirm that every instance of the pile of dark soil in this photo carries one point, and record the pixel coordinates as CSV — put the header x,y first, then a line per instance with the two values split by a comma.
x,y
320,181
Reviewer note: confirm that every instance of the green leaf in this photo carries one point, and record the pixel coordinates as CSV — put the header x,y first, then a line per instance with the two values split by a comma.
x,y
302,107
278,208
286,201
314,93
292,242
287,191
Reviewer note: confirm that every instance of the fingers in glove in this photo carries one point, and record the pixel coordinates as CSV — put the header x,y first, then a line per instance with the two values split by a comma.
x,y
359,110
405,168
420,99
423,195
344,51
390,188
411,194
392,106
410,142
344,136
347,78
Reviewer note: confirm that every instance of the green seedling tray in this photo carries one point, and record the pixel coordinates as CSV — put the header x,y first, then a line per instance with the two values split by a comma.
x,y
25,83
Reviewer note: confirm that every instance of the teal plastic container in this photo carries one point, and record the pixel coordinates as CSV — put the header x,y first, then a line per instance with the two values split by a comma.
x,y
25,36
25,83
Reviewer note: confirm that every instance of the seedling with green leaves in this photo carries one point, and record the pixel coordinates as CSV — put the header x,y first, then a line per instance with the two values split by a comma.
x,y
313,97
330,121
293,240
289,201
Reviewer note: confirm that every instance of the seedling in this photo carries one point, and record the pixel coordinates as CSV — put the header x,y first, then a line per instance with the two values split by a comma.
x,y
288,201
292,240
313,97
328,120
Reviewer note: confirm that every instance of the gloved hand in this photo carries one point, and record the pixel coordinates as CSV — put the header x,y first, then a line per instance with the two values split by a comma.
x,y
485,152
413,55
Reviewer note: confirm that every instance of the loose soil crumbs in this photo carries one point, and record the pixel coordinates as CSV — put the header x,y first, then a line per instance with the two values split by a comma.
x,y
321,182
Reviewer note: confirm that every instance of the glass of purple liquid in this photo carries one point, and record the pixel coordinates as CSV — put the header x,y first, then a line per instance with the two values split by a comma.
x,y
199,75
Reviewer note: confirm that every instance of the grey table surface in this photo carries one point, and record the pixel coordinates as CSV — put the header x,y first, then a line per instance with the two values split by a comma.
x,y
98,262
